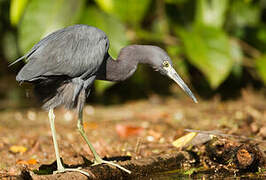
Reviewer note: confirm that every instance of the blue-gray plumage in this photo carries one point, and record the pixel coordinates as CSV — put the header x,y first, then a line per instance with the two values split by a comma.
x,y
63,66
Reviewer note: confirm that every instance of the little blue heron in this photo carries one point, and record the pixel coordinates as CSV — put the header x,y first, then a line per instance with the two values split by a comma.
x,y
63,66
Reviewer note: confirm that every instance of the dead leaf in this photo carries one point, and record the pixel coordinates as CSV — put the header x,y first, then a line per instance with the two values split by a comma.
x,y
32,161
184,140
90,125
126,130
18,149
28,162
155,134
22,162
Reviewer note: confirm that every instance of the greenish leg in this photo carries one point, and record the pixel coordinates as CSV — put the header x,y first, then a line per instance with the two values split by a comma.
x,y
97,158
58,160
60,167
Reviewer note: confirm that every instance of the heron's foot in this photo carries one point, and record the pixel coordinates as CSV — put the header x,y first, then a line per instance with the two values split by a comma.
x,y
62,170
101,161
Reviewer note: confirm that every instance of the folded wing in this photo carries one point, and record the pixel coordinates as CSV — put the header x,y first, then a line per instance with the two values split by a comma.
x,y
70,52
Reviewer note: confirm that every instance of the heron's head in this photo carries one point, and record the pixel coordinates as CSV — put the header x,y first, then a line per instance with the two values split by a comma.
x,y
161,62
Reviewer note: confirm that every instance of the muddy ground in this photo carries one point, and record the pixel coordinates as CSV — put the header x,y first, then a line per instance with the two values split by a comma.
x,y
139,135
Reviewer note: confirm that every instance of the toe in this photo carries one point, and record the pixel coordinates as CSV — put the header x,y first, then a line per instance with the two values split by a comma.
x,y
73,170
112,164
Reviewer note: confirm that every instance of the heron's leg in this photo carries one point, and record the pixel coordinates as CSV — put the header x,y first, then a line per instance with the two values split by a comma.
x,y
60,167
97,158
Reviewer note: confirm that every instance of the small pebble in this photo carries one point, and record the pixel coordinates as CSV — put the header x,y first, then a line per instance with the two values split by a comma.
x,y
31,115
89,110
161,140
178,116
68,116
150,138
145,124
156,151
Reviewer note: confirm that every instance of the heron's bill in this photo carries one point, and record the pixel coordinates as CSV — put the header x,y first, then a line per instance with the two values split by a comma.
x,y
173,75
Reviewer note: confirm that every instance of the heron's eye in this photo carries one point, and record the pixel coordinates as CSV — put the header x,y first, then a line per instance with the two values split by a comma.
x,y
166,64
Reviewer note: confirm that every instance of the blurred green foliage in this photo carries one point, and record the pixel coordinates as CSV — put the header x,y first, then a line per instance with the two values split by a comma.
x,y
218,38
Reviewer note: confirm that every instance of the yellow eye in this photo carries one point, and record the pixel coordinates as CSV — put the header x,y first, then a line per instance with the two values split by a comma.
x,y
166,64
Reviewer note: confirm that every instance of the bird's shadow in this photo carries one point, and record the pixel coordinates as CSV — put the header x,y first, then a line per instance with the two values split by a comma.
x,y
46,169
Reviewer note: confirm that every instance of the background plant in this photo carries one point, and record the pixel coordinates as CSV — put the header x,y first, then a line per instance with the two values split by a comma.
x,y
216,42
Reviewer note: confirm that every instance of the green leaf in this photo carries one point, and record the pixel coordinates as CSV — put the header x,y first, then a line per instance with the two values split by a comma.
x,y
261,67
10,47
176,1
244,13
43,17
16,10
237,56
101,86
211,12
113,28
130,11
208,49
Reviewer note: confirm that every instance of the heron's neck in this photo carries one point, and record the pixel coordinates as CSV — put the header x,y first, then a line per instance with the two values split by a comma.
x,y
125,65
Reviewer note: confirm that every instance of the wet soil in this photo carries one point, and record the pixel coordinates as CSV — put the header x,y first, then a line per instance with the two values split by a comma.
x,y
139,136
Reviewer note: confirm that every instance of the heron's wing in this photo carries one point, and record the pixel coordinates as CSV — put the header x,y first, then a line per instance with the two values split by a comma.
x,y
69,52
53,36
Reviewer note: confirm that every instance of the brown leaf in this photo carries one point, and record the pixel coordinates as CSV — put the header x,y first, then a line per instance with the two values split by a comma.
x,y
126,130
90,125
22,162
32,161
28,162
155,134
